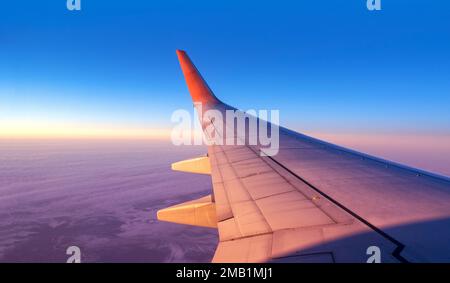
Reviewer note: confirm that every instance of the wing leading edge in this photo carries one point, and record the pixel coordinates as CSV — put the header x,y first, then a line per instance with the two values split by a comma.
x,y
317,202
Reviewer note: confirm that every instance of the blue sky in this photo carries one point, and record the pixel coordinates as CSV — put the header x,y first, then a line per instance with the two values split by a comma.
x,y
329,66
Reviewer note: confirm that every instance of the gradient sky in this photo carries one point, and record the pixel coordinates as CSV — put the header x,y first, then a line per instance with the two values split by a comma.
x,y
329,66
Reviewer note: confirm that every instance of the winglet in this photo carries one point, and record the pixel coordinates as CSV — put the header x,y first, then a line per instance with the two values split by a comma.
x,y
199,90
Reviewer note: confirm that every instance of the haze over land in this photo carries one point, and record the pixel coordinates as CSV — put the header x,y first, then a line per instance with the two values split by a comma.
x,y
102,195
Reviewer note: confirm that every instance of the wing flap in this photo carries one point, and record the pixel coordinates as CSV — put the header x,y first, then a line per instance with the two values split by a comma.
x,y
199,165
254,249
199,212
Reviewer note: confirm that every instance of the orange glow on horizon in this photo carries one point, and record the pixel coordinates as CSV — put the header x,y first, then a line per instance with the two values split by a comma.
x,y
426,151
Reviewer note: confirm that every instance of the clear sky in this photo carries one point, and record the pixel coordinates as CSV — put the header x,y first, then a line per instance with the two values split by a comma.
x,y
327,65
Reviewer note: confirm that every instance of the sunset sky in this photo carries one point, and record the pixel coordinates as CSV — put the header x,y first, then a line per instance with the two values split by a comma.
x,y
332,68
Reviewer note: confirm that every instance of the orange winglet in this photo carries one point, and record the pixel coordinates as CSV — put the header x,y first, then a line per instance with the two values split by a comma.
x,y
199,90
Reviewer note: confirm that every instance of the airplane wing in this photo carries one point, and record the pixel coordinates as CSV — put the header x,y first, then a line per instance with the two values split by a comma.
x,y
312,201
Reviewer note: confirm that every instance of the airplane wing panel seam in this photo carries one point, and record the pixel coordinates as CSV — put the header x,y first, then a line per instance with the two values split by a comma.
x,y
400,246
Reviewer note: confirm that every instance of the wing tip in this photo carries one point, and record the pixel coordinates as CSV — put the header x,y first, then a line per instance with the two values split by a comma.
x,y
180,52
199,90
